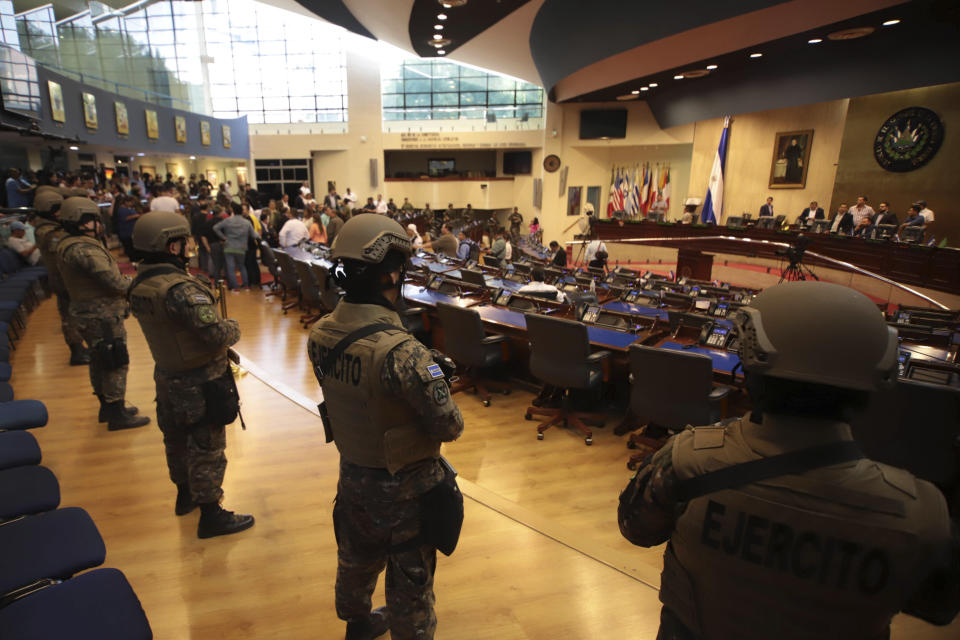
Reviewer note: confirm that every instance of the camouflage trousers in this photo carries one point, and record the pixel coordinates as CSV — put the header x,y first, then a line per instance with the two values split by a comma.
x,y
108,382
375,511
195,448
68,322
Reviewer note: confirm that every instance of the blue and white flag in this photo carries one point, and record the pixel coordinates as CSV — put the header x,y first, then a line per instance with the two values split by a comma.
x,y
713,203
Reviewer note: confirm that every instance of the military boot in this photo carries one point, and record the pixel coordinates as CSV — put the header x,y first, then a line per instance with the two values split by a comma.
x,y
102,416
117,417
79,354
185,503
217,521
373,625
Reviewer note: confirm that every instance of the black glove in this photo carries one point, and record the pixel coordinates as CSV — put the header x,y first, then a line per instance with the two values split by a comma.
x,y
446,363
233,356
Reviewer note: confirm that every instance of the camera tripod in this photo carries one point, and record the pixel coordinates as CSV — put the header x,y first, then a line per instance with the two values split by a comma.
x,y
795,272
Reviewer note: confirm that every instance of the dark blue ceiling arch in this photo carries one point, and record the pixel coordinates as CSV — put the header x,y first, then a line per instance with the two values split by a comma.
x,y
336,11
568,35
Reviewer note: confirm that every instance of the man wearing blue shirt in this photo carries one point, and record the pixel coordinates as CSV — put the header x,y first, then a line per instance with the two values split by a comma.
x,y
18,191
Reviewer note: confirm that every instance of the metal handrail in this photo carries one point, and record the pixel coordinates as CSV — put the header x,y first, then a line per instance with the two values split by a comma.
x,y
147,93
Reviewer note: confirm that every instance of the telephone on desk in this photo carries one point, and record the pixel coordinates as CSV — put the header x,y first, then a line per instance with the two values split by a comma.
x,y
903,359
903,317
704,305
721,309
503,298
594,315
719,337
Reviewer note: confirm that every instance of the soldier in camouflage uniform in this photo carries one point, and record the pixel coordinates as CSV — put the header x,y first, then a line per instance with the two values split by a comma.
x,y
196,394
829,549
98,304
389,408
49,233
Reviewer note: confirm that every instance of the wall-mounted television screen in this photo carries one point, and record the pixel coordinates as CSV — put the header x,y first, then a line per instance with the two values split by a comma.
x,y
19,86
603,123
439,167
517,163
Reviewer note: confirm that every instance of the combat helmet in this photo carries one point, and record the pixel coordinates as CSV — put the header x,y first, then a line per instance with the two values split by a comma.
x,y
47,202
75,209
154,230
369,238
820,333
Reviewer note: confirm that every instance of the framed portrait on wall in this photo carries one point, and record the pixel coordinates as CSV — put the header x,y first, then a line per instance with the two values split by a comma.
x,y
89,110
226,137
153,125
574,194
148,169
213,177
173,169
57,110
791,159
205,133
123,122
180,126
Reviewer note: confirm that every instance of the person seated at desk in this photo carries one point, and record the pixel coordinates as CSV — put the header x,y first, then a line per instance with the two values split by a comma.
x,y
499,248
599,261
842,221
811,213
19,243
445,244
688,211
414,236
537,287
318,233
866,222
559,254
914,219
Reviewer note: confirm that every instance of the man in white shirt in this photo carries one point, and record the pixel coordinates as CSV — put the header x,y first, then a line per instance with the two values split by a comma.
x,y
925,212
18,242
508,249
414,236
538,286
293,232
861,210
592,247
165,202
305,188
381,205
350,198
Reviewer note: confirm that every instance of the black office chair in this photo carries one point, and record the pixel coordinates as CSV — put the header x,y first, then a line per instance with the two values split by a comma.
x,y
669,390
289,281
472,349
269,260
310,301
560,356
330,293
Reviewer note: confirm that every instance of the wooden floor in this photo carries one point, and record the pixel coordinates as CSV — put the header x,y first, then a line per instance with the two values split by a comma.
x,y
540,555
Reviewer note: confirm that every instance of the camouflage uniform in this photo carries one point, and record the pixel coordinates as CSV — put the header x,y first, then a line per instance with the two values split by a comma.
x,y
376,510
194,445
100,319
49,234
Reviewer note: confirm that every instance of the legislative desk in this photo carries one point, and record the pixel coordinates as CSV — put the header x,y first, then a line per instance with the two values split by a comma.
x,y
933,267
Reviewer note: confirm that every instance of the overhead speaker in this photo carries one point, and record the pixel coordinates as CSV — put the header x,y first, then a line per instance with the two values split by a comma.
x,y
374,173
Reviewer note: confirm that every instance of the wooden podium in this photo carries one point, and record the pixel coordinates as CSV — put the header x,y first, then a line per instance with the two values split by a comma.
x,y
691,263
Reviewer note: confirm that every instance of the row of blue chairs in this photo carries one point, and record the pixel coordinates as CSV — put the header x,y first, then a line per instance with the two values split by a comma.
x,y
44,548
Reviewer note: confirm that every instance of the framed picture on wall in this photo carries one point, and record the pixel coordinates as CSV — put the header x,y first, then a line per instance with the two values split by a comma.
x,y
153,125
226,137
57,110
89,110
180,126
574,195
173,169
791,159
212,176
123,122
205,133
148,169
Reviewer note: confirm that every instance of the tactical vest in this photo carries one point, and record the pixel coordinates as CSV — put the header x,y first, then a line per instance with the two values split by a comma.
x,y
370,427
832,553
175,347
82,286
49,234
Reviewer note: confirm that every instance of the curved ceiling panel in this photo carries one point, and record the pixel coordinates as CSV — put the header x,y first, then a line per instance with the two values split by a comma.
x,y
461,23
568,35
336,11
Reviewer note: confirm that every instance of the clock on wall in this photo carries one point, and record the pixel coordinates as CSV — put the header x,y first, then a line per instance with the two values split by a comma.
x,y
551,163
908,139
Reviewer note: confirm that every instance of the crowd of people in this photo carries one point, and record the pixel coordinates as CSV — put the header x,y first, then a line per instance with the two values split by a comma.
x,y
861,218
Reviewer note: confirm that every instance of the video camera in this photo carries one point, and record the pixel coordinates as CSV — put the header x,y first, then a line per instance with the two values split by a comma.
x,y
794,253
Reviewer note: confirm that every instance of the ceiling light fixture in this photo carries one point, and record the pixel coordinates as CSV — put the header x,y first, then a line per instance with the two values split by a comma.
x,y
679,77
74,148
439,44
193,157
438,27
711,67
653,84
441,52
890,23
141,154
635,92
437,36
441,16
644,88
756,55
814,40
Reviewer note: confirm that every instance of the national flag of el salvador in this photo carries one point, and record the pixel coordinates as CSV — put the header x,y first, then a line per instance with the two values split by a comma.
x,y
713,203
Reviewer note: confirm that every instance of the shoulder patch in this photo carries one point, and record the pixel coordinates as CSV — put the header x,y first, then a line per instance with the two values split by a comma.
x,y
435,371
899,479
708,437
201,298
207,314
